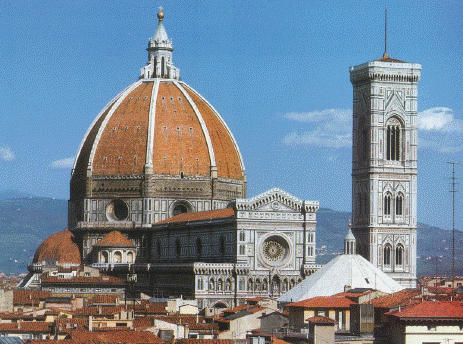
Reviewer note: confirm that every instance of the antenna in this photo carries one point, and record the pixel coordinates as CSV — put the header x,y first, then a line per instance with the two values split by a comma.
x,y
453,191
385,33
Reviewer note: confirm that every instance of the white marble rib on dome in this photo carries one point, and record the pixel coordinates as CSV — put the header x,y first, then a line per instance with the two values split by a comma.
x,y
348,269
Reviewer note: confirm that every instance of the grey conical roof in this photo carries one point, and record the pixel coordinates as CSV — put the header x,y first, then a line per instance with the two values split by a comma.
x,y
349,235
344,270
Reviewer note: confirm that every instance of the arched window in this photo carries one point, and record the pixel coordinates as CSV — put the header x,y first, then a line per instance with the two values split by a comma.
x,y
393,140
158,246
242,236
155,66
130,257
242,250
220,284
179,209
285,285
387,254
104,257
258,285
387,204
250,285
162,67
117,257
178,248
292,283
264,285
222,245
399,254
275,285
199,247
399,204
365,203
211,284
228,285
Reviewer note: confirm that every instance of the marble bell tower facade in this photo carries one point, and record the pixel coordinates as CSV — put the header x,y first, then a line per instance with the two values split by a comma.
x,y
384,165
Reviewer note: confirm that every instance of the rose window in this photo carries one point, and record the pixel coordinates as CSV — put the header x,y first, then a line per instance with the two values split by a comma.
x,y
275,250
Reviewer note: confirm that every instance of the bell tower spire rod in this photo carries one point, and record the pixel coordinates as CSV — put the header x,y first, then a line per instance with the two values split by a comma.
x,y
385,32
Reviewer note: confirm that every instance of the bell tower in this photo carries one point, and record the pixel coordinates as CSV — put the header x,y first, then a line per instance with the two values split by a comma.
x,y
384,165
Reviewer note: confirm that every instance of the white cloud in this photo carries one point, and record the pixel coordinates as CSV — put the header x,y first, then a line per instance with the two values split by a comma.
x,y
439,119
331,128
6,154
63,163
439,129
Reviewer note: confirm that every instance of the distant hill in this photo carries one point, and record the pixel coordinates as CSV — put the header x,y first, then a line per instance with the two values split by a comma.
x,y
25,222
434,243
10,194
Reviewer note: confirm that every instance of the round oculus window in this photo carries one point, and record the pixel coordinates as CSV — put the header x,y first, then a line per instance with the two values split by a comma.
x,y
117,210
275,250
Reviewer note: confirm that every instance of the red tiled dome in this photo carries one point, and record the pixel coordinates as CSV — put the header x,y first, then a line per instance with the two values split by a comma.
x,y
58,247
114,239
164,124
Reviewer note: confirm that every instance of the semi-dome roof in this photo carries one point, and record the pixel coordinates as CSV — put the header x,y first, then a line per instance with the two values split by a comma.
x,y
114,239
162,127
58,248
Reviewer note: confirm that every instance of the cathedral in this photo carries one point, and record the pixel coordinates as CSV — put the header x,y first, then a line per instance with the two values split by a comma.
x,y
158,192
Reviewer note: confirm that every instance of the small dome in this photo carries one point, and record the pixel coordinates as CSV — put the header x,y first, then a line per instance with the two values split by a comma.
x,y
58,248
114,239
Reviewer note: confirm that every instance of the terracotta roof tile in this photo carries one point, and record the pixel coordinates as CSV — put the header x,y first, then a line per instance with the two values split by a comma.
x,y
179,142
431,310
276,340
122,337
60,247
98,311
226,155
105,298
29,297
151,308
389,59
321,320
123,140
26,326
114,239
200,216
204,341
323,302
396,299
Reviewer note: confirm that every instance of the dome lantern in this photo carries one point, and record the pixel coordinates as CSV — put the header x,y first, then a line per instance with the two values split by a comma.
x,y
349,242
160,49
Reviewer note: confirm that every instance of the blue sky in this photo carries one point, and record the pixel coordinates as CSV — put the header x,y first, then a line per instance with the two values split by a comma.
x,y
258,62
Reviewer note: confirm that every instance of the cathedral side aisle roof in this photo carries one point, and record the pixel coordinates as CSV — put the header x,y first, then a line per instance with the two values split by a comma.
x,y
200,216
344,270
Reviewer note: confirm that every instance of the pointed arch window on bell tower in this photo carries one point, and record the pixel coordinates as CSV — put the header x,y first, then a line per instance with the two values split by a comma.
x,y
393,140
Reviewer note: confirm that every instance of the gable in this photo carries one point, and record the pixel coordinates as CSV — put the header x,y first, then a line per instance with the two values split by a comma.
x,y
276,200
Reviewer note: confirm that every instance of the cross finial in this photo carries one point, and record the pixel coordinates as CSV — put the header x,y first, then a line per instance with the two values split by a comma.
x,y
160,13
385,33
